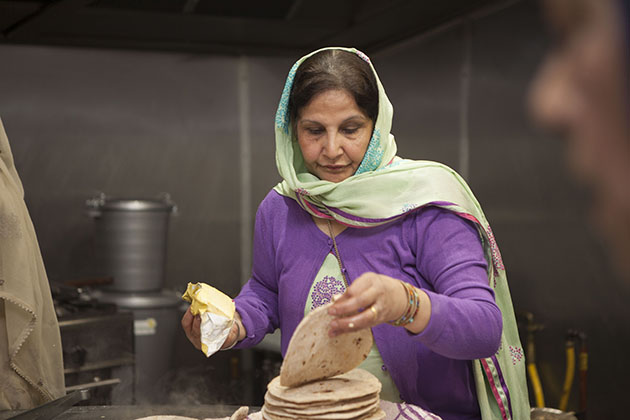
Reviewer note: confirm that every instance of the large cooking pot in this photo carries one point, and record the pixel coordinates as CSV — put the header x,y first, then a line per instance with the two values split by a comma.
x,y
130,238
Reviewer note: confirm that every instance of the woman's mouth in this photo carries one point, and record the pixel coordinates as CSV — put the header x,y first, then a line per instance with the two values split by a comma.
x,y
335,168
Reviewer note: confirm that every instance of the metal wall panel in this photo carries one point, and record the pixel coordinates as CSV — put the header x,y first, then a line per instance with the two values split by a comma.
x,y
423,84
128,124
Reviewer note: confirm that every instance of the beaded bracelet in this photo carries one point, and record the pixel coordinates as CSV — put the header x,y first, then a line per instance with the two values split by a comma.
x,y
413,305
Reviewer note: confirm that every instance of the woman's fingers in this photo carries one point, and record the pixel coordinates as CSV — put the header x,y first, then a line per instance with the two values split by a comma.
x,y
364,292
372,299
358,307
361,294
192,328
196,328
366,319
355,303
187,319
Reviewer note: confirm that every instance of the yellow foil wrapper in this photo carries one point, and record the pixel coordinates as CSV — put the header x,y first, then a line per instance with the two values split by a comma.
x,y
216,310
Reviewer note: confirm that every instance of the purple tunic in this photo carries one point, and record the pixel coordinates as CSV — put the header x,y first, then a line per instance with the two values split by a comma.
x,y
430,248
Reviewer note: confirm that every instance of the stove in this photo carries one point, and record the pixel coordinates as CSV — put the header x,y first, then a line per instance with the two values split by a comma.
x,y
98,346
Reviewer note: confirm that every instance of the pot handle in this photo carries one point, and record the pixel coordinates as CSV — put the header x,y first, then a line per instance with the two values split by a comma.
x,y
95,204
166,198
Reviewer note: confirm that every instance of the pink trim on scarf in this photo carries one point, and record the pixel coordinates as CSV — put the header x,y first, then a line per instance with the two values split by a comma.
x,y
324,215
497,261
494,389
315,210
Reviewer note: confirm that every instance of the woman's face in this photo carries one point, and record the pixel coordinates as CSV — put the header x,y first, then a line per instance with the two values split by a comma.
x,y
333,134
582,91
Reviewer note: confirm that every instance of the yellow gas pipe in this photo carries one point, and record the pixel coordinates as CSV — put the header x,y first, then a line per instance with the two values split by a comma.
x,y
532,371
569,372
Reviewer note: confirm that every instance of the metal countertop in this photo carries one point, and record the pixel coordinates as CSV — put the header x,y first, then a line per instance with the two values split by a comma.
x,y
132,412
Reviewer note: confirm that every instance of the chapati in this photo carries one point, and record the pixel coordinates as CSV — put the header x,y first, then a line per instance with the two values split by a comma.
x,y
350,403
324,408
313,355
377,414
354,384
334,412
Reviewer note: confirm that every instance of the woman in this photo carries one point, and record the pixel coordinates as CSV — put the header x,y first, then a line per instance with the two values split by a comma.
x,y
405,240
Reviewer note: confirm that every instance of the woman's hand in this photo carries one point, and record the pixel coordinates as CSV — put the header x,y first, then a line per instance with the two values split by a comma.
x,y
192,328
374,299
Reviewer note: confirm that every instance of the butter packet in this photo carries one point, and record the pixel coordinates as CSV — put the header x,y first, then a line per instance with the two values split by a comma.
x,y
216,310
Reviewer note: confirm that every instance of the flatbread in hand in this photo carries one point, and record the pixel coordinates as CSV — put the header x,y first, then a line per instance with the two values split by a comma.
x,y
313,355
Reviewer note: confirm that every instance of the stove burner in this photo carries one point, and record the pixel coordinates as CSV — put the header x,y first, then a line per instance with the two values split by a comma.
x,y
74,302
70,310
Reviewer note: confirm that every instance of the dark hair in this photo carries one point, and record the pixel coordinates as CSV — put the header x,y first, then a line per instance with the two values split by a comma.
x,y
334,70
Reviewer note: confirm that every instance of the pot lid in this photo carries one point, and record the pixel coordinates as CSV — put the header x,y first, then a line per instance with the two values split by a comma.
x,y
136,205
102,202
146,300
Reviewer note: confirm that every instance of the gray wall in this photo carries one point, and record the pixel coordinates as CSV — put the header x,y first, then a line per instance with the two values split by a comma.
x,y
131,123
128,124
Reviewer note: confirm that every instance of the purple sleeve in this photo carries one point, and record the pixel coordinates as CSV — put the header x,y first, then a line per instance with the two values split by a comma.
x,y
465,321
257,303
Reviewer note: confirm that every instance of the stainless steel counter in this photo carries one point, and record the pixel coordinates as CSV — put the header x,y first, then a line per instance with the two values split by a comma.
x,y
131,412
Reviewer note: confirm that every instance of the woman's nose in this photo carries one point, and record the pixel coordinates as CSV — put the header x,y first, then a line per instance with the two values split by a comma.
x,y
332,147
550,96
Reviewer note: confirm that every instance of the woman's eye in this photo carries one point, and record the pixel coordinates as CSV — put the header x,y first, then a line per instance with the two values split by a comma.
x,y
351,130
314,131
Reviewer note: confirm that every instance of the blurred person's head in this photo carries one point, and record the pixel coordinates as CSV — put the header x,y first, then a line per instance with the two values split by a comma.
x,y
583,91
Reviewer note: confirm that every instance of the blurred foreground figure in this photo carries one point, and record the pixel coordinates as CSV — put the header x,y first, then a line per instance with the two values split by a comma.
x,y
31,364
583,91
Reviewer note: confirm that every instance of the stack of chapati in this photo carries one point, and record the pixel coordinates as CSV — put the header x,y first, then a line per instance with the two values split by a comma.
x,y
319,379
353,395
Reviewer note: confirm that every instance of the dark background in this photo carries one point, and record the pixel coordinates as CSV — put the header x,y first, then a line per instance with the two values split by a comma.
x,y
159,110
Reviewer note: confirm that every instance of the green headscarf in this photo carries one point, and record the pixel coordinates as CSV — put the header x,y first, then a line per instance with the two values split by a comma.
x,y
385,188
